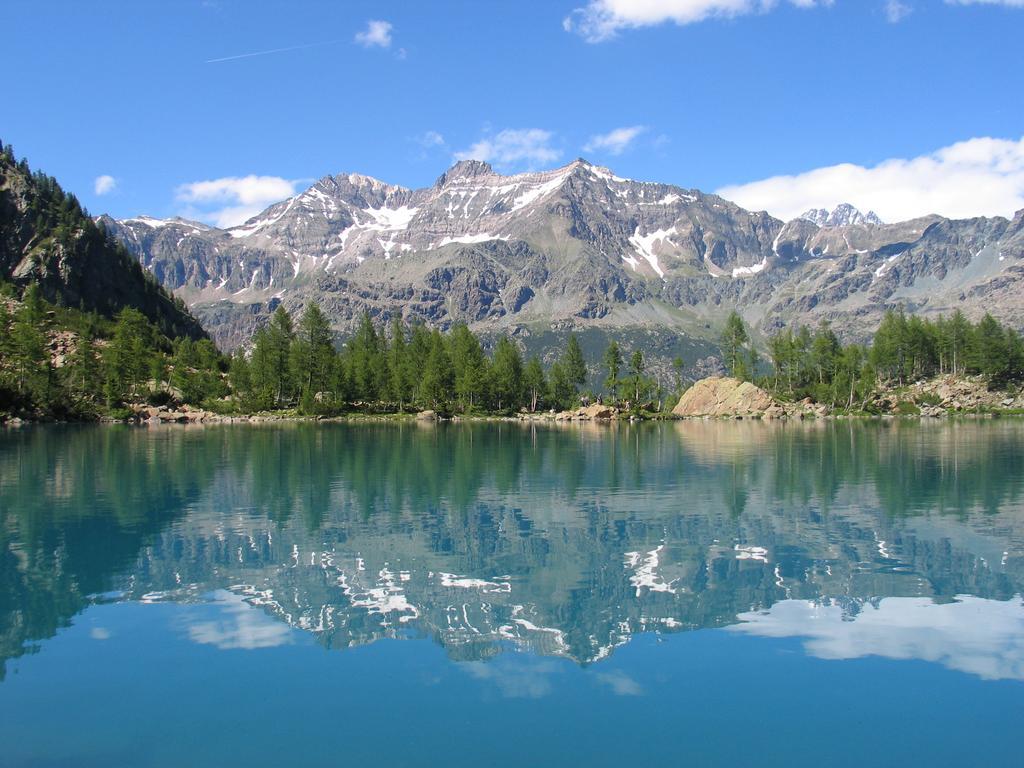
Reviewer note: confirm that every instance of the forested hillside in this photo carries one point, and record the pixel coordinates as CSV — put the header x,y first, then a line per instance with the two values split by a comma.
x,y
47,239
83,328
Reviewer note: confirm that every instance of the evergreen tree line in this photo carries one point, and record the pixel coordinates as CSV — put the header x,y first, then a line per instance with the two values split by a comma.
x,y
66,363
296,364
905,348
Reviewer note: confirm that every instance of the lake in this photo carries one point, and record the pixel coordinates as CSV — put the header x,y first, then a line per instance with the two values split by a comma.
x,y
690,593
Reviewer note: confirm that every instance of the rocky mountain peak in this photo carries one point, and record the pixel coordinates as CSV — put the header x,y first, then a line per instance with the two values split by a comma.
x,y
360,180
464,169
844,215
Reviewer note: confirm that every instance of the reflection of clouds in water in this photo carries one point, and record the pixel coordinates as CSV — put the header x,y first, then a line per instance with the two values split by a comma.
x,y
973,635
241,626
99,633
620,683
529,677
516,677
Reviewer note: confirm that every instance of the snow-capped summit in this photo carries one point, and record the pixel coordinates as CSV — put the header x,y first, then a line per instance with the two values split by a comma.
x,y
844,215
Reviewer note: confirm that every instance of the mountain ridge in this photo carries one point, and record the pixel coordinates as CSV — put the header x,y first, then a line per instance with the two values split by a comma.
x,y
571,247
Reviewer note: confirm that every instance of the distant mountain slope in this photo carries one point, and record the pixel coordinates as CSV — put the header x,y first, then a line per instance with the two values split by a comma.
x,y
573,247
46,238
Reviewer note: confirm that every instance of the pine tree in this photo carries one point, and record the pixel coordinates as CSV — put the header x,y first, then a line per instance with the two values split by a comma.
x,y
263,371
313,356
991,351
825,348
367,365
419,349
574,362
400,378
32,366
208,368
507,374
636,370
612,361
159,370
561,389
280,335
126,360
438,374
959,333
534,382
184,371
240,377
470,365
734,346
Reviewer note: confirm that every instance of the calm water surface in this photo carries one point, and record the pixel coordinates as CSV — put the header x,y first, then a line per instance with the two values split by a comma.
x,y
694,594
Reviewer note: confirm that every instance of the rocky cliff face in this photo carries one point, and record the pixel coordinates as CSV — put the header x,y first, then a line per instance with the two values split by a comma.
x,y
575,247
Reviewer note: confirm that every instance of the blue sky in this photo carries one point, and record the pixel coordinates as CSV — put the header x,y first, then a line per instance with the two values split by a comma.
x,y
127,104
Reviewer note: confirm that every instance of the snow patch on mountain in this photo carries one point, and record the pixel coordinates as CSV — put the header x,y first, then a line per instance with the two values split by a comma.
x,y
470,239
537,192
751,270
391,219
644,245
844,215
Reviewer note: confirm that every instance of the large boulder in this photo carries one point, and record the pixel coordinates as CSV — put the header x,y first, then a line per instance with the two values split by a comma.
x,y
718,396
597,411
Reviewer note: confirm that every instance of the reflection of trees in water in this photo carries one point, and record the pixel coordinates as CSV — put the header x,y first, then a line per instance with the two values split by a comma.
x,y
78,505
914,466
601,531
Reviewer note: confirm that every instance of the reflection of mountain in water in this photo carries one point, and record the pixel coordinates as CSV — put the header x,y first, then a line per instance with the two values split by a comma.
x,y
565,541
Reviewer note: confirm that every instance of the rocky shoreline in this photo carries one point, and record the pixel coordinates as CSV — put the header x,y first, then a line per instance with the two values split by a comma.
x,y
711,398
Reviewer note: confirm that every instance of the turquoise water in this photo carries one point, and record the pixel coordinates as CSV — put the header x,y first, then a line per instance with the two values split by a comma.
x,y
695,594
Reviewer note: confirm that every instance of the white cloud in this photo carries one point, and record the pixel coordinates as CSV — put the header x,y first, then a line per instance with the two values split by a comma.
x,y
1004,3
530,147
377,33
240,626
614,142
620,683
601,19
431,139
516,677
104,185
978,177
973,635
230,201
896,11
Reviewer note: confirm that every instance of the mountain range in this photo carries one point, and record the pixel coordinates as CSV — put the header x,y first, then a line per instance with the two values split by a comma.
x,y
575,248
